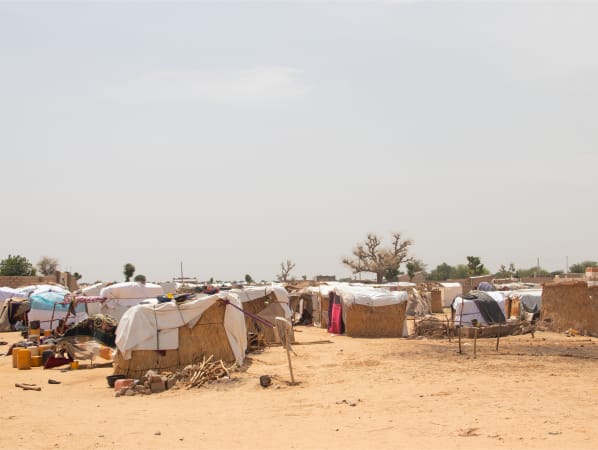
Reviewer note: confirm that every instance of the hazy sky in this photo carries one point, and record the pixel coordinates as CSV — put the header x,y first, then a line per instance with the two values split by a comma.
x,y
234,135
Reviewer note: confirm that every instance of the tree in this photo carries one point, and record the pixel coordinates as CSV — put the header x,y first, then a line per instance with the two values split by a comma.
x,y
532,272
475,266
140,279
414,266
16,266
128,271
47,266
505,272
285,269
444,272
248,279
371,257
581,267
77,276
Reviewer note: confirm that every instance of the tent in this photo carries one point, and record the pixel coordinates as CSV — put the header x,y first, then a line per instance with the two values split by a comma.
x,y
48,306
122,296
448,292
466,308
372,312
12,311
523,301
266,302
305,305
169,336
6,293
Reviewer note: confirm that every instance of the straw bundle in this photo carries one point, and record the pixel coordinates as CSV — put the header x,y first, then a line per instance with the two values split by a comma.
x,y
380,321
207,337
570,304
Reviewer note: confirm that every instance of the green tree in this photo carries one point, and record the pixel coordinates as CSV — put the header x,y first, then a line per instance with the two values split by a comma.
x,y
532,272
441,272
17,265
369,256
248,279
128,271
77,276
140,279
475,266
581,267
47,266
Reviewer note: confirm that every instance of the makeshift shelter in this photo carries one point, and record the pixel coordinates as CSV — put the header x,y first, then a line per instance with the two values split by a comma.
x,y
485,308
49,307
570,305
448,292
266,302
523,303
7,292
13,310
94,291
122,296
372,312
169,336
305,305
324,291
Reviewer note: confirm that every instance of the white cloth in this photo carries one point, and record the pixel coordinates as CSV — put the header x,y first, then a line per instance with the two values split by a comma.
x,y
6,293
363,295
131,289
467,310
251,293
94,290
117,307
155,327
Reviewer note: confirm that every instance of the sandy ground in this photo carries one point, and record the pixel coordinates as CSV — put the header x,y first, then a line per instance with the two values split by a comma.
x,y
353,394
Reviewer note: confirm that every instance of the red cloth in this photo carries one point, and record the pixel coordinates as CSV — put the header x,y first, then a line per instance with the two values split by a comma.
x,y
336,319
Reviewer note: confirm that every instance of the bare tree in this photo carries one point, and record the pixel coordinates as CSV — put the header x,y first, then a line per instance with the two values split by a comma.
x,y
47,266
285,269
371,257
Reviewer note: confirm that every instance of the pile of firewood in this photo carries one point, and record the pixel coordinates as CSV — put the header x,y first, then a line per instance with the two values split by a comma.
x,y
196,375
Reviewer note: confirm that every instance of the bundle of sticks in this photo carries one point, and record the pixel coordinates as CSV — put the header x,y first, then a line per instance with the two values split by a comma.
x,y
196,375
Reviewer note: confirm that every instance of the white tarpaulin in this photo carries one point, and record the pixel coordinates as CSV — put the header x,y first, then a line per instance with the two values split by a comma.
x,y
449,291
251,293
363,295
132,289
155,327
6,292
467,310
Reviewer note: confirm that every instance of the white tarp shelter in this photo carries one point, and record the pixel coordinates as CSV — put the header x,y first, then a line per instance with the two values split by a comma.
x,y
122,296
449,291
139,325
467,310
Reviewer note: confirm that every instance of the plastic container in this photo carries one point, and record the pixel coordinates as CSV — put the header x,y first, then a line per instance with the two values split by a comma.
x,y
24,359
34,351
47,333
14,356
44,347
74,365
36,361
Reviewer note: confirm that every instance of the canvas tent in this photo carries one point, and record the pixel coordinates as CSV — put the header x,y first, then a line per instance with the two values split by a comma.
x,y
266,302
467,309
122,296
372,312
49,307
6,293
182,332
448,292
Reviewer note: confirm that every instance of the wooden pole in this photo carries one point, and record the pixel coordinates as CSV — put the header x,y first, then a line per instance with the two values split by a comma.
x,y
475,342
498,335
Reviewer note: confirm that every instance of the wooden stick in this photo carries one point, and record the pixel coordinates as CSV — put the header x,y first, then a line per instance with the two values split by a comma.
x,y
498,335
475,342
27,387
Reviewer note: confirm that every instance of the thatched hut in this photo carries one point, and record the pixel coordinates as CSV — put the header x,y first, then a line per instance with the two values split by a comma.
x,y
169,336
372,312
570,304
267,303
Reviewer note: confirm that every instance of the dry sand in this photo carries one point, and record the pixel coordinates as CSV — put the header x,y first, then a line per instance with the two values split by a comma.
x,y
537,392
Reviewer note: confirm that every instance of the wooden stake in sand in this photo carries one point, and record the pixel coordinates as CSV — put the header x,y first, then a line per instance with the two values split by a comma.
x,y
475,342
284,332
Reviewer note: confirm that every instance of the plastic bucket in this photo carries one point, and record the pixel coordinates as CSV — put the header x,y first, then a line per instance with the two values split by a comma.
x,y
74,365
